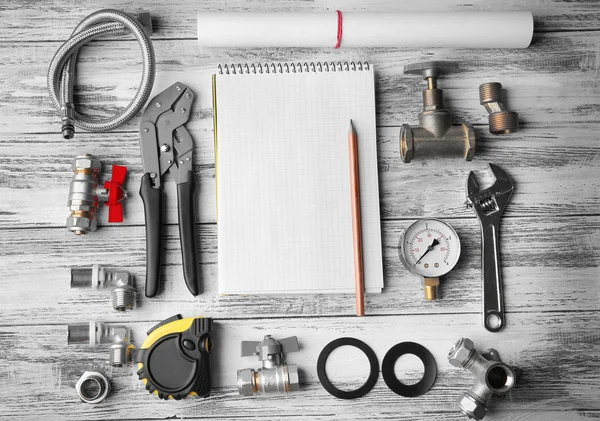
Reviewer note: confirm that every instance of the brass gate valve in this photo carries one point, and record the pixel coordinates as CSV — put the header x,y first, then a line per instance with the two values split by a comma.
x,y
435,136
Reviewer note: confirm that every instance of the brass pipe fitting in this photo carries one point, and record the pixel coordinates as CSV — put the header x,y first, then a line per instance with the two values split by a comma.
x,y
435,136
500,120
492,376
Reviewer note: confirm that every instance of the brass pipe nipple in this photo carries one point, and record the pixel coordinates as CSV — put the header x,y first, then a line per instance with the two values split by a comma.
x,y
430,286
500,120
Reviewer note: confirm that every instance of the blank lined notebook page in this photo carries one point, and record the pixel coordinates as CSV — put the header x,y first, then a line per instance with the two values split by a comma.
x,y
283,181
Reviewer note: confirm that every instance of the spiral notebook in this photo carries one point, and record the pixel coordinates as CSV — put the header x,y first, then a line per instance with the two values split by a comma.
x,y
283,181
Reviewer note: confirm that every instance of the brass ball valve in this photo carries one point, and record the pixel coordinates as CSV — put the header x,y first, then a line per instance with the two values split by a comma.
x,y
435,136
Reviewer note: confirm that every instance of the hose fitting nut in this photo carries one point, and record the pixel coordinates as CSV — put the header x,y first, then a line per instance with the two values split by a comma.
x,y
500,120
67,118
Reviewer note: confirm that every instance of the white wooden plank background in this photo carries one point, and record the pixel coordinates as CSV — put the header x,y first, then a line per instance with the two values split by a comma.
x,y
550,234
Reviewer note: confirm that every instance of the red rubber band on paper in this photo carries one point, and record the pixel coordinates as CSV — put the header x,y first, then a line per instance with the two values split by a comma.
x,y
339,29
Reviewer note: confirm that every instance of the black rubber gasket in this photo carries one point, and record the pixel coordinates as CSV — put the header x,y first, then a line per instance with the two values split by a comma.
x,y
343,394
389,361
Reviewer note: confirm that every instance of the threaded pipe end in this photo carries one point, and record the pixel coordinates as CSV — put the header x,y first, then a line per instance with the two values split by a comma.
x,y
490,92
503,122
123,298
121,354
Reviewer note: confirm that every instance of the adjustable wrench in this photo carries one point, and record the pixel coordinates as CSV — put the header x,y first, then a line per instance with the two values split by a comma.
x,y
489,205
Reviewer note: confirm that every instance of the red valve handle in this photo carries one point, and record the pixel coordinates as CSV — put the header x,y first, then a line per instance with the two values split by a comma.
x,y
116,194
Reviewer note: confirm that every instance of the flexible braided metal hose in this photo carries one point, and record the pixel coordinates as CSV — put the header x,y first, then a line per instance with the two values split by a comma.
x,y
61,73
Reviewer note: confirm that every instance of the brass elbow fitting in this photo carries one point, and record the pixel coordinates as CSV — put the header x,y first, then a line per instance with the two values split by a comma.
x,y
492,377
435,136
500,120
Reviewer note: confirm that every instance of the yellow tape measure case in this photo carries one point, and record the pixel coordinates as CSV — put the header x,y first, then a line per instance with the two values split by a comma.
x,y
174,360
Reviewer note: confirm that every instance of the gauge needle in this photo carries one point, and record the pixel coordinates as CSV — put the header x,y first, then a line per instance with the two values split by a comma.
x,y
431,247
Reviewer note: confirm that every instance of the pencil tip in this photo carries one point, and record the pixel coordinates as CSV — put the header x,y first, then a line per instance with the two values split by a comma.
x,y
351,128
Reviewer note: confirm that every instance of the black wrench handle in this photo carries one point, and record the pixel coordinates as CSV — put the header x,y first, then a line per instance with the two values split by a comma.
x,y
491,272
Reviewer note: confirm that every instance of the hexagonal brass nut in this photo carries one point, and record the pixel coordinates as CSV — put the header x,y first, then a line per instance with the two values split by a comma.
x,y
293,377
407,144
244,380
470,131
461,351
471,408
86,162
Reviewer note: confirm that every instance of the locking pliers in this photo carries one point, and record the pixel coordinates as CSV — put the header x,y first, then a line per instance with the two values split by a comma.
x,y
162,133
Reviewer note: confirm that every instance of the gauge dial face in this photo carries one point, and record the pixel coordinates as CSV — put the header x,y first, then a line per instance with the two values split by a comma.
x,y
429,248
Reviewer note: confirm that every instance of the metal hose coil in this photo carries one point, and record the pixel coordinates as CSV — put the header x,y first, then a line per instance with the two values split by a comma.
x,y
61,73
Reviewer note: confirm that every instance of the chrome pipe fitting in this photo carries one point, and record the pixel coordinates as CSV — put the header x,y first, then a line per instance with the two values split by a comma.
x,y
96,333
276,377
83,194
122,290
492,377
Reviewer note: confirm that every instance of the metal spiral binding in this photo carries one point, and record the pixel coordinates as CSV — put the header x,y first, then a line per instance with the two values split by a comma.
x,y
488,204
304,67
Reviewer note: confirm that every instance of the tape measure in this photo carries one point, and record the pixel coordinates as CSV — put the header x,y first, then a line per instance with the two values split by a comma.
x,y
174,360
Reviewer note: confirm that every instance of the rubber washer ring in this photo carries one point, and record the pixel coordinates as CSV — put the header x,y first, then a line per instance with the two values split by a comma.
x,y
389,376
344,394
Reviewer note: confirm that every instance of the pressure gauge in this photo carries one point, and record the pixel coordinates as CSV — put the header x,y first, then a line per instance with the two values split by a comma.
x,y
429,248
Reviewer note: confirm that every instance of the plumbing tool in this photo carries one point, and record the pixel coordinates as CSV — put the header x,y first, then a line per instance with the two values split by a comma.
x,y
162,123
488,205
123,294
85,194
492,376
276,377
435,136
61,73
174,360
429,248
97,333
500,120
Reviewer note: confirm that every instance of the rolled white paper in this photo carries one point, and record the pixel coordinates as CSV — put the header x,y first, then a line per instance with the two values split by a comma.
x,y
366,29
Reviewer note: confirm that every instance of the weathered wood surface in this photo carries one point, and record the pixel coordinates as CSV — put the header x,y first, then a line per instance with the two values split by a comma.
x,y
559,377
23,20
556,170
559,273
550,233
552,82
